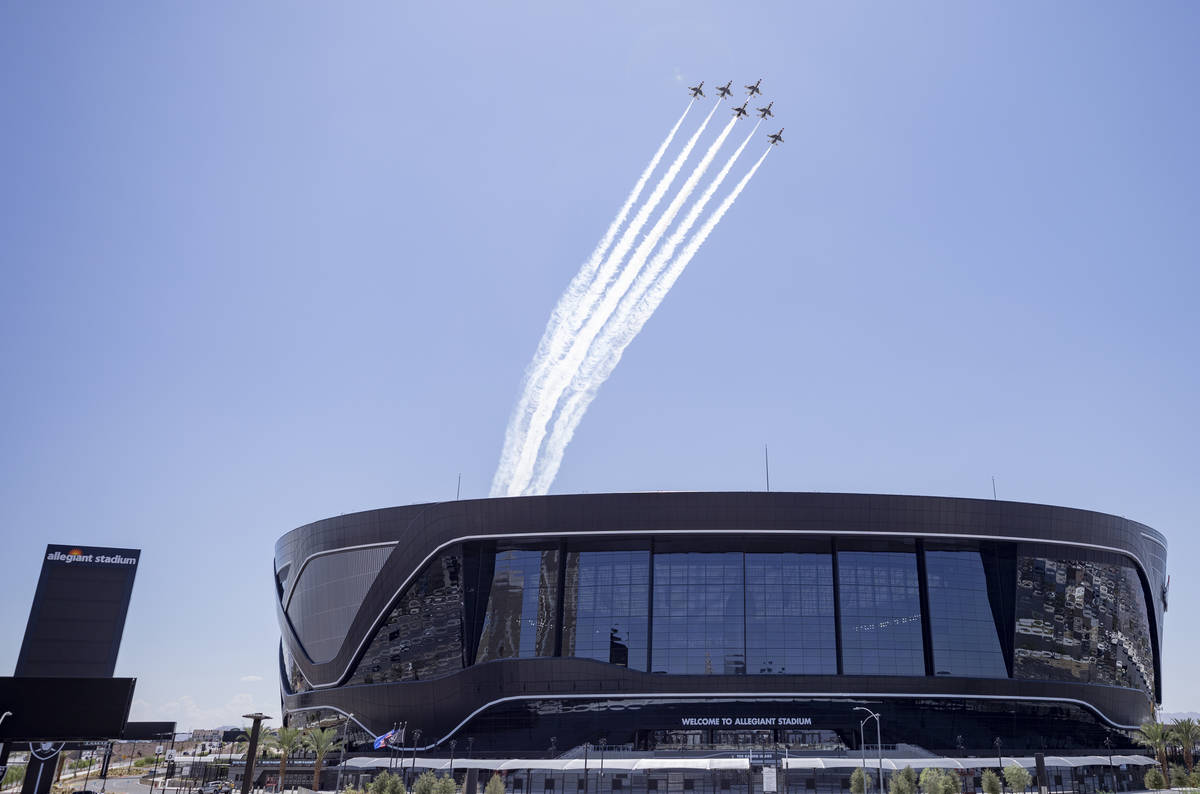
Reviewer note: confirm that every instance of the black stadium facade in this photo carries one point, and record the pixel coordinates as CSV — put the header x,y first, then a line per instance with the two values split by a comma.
x,y
710,622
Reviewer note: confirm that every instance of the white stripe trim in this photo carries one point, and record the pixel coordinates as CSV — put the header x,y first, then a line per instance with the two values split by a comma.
x,y
605,532
735,696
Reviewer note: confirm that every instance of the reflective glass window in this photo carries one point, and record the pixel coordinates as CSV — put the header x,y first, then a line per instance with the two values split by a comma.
x,y
1082,621
699,613
965,641
293,679
789,614
520,614
605,606
422,636
327,596
881,613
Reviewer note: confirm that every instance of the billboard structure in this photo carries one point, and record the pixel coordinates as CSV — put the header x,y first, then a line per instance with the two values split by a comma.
x,y
63,689
78,613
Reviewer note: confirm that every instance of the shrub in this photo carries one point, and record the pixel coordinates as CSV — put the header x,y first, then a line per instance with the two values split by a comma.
x,y
425,783
991,782
387,783
1017,777
1154,779
903,782
1179,776
445,785
859,782
495,785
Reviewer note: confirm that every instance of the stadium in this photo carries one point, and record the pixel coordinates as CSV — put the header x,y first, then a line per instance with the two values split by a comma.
x,y
724,624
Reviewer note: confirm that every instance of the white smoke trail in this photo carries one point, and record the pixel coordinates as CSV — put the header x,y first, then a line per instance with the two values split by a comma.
x,y
511,478
572,413
557,334
567,370
618,333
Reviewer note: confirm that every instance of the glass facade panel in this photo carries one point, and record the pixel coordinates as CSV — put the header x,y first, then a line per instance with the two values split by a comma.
x,y
327,596
293,679
423,635
881,613
699,613
1082,621
789,614
605,606
521,606
965,640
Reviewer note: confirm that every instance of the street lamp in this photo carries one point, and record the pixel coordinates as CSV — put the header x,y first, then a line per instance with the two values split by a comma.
x,y
416,738
600,779
453,744
1111,773
252,749
878,741
342,765
999,761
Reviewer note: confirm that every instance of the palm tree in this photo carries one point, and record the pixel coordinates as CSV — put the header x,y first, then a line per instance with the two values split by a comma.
x,y
1156,736
287,741
322,742
1187,733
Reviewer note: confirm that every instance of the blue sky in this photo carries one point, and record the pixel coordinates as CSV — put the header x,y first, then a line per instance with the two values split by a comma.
x,y
266,263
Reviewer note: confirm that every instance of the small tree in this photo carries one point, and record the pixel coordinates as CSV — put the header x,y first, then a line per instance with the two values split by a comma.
x,y
1017,777
1179,776
322,742
445,785
859,782
991,782
425,783
1154,779
1187,734
287,741
903,782
1156,736
495,785
387,783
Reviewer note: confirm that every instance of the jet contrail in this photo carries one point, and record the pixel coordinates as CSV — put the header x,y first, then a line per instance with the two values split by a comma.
x,y
512,477
619,331
556,336
572,413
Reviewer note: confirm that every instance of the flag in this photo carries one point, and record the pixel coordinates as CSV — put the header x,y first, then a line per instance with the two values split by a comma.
x,y
382,741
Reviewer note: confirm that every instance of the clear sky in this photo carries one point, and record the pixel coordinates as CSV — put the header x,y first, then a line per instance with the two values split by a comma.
x,y
264,263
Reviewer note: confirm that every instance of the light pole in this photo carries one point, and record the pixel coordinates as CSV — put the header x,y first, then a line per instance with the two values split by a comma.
x,y
586,744
600,779
878,742
1112,774
453,744
341,765
999,761
252,749
416,738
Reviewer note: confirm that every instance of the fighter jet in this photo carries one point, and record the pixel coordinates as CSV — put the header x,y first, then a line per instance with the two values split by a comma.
x,y
777,138
764,112
724,90
751,90
696,92
740,112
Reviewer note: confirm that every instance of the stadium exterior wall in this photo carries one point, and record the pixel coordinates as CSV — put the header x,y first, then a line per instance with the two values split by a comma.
x,y
717,620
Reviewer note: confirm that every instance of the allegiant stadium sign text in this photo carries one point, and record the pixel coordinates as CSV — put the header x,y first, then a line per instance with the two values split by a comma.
x,y
103,559
744,722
